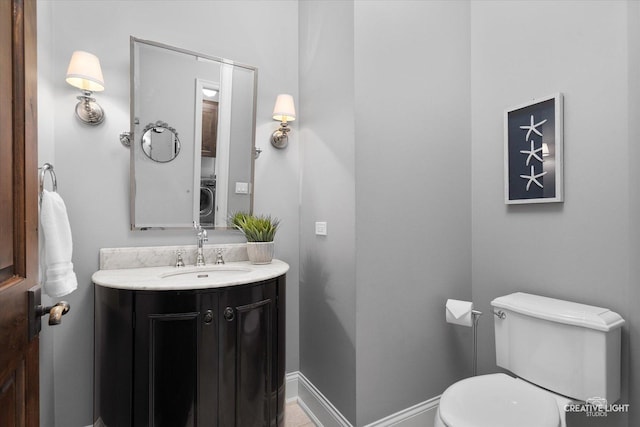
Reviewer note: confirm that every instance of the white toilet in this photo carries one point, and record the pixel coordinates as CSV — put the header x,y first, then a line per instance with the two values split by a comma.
x,y
560,351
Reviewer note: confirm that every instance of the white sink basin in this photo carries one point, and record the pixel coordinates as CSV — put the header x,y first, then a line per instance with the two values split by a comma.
x,y
206,272
189,277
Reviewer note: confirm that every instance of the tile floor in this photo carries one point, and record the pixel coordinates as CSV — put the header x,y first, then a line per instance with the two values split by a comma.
x,y
294,416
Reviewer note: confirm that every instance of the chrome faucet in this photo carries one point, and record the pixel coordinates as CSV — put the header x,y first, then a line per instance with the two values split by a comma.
x,y
202,237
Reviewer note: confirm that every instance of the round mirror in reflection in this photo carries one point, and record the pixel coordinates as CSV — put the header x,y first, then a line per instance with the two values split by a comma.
x,y
160,142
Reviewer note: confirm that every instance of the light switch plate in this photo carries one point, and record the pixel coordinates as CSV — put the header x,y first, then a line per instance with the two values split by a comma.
x,y
242,188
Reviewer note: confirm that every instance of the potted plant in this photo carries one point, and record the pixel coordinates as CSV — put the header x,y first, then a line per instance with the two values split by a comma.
x,y
259,232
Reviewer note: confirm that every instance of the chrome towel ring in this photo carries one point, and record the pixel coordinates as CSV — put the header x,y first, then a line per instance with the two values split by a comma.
x,y
47,167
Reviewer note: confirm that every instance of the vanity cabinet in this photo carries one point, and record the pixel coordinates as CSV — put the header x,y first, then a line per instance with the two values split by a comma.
x,y
186,358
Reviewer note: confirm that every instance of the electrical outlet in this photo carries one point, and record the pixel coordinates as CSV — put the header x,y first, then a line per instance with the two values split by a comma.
x,y
321,228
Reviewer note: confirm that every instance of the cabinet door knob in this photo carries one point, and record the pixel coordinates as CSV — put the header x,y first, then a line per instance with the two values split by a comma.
x,y
208,317
229,314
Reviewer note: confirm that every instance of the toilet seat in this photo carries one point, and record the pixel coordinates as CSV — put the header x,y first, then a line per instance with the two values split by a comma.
x,y
498,400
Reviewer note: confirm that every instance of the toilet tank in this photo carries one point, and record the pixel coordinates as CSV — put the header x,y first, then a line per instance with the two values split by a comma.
x,y
569,348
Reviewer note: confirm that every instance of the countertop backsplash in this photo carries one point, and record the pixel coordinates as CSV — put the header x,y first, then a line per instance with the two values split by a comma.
x,y
157,256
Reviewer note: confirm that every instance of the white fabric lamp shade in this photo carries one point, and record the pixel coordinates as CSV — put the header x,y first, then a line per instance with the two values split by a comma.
x,y
284,109
84,72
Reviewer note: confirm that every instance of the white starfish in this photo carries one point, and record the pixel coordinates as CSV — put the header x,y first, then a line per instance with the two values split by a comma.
x,y
532,127
532,153
533,178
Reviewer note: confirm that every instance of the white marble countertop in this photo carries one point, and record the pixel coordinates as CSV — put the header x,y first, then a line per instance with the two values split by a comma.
x,y
189,277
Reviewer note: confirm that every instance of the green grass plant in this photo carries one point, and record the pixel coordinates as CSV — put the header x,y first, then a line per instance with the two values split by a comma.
x,y
260,228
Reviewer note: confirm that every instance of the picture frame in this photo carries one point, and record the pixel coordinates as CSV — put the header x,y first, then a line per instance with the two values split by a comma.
x,y
533,151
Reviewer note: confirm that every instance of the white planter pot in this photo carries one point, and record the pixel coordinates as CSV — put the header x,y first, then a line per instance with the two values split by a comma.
x,y
260,252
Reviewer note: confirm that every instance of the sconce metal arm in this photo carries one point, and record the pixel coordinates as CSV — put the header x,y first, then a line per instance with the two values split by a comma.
x,y
279,138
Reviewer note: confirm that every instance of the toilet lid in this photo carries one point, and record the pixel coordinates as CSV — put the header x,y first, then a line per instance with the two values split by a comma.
x,y
498,400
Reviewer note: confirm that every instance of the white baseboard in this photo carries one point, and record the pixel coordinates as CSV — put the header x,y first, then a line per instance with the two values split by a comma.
x,y
312,401
324,414
422,414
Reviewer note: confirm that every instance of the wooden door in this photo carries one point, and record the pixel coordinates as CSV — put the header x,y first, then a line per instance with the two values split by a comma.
x,y
209,128
19,403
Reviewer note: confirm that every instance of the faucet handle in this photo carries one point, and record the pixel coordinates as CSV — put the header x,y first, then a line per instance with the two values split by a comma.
x,y
179,261
202,233
219,259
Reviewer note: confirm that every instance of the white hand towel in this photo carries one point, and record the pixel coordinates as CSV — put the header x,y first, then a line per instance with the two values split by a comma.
x,y
60,278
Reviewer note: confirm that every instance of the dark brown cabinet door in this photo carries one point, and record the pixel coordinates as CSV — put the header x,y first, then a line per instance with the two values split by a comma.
x,y
176,359
204,358
248,334
113,357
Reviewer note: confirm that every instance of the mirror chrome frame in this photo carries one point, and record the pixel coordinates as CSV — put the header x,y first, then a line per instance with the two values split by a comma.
x,y
127,138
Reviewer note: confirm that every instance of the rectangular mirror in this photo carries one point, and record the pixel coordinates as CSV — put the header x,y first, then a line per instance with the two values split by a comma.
x,y
192,137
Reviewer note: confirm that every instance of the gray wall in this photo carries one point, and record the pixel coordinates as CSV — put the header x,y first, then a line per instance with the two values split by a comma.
x,y
46,153
93,168
399,136
577,250
163,197
413,188
633,314
378,168
327,193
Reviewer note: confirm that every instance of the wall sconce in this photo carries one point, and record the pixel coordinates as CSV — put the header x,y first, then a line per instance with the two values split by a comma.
x,y
284,111
84,73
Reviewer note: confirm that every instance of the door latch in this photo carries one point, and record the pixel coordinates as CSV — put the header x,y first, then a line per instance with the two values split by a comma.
x,y
37,310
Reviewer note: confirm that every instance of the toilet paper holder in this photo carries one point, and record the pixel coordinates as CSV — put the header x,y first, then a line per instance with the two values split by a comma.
x,y
475,315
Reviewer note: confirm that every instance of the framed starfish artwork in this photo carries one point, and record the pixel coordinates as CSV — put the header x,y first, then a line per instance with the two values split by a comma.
x,y
533,151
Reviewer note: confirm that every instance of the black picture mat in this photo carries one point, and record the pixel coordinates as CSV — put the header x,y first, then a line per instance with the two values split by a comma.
x,y
517,161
